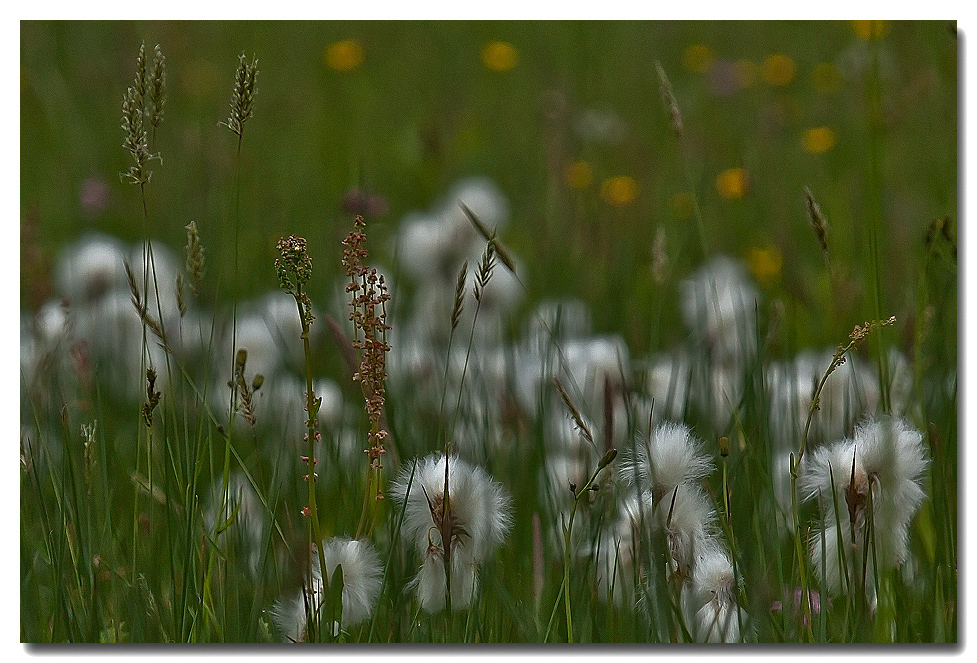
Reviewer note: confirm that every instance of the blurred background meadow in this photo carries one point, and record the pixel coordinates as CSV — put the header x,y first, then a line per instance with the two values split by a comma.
x,y
611,221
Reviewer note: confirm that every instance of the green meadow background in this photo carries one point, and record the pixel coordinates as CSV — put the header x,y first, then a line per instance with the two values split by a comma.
x,y
567,119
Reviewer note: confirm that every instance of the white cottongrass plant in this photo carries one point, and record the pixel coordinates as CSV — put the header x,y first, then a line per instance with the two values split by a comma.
x,y
718,307
709,599
362,579
667,470
670,456
476,516
875,477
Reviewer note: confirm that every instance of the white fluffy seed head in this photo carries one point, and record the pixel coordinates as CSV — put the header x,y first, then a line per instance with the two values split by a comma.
x,y
670,457
431,586
713,596
481,516
362,579
889,461
90,268
689,518
718,306
828,469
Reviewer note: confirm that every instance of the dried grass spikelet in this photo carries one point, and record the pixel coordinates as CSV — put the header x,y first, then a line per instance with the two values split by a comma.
x,y
245,391
135,141
181,300
142,307
157,87
459,304
242,97
195,257
152,398
817,221
498,248
668,99
485,268
133,119
140,85
578,418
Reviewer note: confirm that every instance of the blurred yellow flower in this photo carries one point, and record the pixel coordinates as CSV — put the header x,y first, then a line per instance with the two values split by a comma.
x,y
747,73
698,58
345,55
779,69
732,183
826,78
765,264
578,175
819,140
620,190
499,56
683,205
869,30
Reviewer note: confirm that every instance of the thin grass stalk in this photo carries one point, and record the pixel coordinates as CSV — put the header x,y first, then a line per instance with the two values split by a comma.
x,y
727,525
875,207
395,536
567,531
312,406
858,334
502,253
482,278
801,557
242,98
675,117
133,115
456,311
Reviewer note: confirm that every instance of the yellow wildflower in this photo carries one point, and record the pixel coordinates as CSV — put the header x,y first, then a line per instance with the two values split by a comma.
x,y
499,56
732,183
779,69
620,190
698,58
869,30
818,140
578,175
345,55
765,264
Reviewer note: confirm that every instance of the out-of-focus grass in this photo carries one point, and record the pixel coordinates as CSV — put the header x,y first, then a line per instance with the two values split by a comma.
x,y
575,135
422,109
